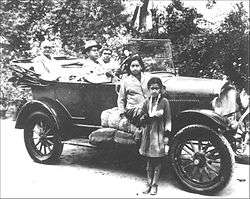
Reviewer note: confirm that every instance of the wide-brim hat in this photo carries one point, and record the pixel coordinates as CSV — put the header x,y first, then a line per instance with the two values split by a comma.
x,y
89,44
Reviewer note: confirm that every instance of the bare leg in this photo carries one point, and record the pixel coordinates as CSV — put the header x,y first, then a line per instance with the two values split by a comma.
x,y
157,170
150,175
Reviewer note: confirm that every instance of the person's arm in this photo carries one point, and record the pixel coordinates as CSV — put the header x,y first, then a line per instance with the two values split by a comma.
x,y
167,110
144,112
121,100
41,68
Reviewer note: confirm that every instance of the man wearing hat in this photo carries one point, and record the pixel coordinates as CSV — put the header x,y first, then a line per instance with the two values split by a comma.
x,y
93,70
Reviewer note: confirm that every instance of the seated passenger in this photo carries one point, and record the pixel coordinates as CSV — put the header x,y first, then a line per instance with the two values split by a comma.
x,y
93,71
45,64
109,64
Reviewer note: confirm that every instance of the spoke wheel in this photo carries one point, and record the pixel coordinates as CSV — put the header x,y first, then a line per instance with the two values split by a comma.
x,y
242,149
202,159
42,138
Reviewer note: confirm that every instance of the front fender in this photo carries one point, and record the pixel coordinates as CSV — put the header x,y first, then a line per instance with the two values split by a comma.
x,y
53,108
203,117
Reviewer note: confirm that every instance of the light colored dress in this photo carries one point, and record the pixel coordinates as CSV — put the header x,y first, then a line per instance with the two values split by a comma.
x,y
152,141
132,92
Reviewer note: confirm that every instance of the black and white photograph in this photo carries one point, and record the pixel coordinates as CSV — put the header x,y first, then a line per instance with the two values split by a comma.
x,y
124,99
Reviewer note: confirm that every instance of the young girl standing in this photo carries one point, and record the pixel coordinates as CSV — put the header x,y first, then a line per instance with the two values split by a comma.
x,y
157,124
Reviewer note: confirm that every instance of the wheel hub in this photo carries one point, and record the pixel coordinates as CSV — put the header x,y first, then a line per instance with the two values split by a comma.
x,y
199,159
43,139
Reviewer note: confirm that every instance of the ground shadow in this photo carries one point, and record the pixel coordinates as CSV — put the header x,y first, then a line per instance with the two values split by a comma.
x,y
124,161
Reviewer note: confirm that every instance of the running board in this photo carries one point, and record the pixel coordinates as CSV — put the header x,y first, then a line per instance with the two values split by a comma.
x,y
79,142
87,125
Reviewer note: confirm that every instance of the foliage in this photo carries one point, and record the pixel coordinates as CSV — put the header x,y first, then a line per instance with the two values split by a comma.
x,y
198,52
178,22
233,43
216,53
11,94
201,52
78,21
26,23
180,25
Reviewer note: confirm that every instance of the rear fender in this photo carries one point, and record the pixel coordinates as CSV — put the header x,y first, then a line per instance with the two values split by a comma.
x,y
53,108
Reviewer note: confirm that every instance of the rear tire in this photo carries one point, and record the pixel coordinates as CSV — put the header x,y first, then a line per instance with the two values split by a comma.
x,y
201,159
42,138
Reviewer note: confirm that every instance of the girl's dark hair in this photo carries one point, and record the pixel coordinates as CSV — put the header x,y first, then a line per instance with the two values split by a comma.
x,y
131,59
155,80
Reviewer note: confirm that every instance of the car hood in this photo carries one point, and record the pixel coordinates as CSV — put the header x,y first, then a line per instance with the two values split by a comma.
x,y
191,85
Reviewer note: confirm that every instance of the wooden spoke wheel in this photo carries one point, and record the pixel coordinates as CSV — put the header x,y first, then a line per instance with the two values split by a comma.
x,y
202,159
42,138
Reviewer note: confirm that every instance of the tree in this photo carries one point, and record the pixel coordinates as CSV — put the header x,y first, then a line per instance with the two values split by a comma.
x,y
203,52
233,42
77,21
28,21
180,25
24,22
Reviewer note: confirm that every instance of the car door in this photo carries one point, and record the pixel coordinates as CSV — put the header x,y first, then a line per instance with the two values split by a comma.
x,y
86,101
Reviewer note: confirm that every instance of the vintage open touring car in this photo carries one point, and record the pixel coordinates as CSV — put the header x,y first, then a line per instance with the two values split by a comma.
x,y
200,146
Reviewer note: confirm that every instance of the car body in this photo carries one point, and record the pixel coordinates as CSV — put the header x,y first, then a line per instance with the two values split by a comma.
x,y
84,102
60,111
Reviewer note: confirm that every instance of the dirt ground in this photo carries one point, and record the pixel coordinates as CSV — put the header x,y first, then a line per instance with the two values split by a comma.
x,y
91,173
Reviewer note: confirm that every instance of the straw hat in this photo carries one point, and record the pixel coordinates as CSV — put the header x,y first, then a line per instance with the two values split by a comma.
x,y
91,43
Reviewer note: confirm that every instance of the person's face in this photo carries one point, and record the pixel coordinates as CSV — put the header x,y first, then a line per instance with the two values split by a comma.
x,y
106,56
154,90
135,67
93,53
47,50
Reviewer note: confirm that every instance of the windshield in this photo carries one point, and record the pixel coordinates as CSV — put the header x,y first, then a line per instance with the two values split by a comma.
x,y
156,54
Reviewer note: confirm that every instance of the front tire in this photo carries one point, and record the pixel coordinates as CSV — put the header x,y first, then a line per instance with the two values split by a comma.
x,y
42,138
201,159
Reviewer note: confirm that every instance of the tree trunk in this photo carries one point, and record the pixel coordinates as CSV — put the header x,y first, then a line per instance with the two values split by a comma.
x,y
143,14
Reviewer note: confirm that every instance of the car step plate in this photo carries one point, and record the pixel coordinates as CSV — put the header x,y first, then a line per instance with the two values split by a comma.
x,y
79,142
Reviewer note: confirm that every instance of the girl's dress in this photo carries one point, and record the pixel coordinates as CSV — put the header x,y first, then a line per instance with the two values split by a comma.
x,y
152,141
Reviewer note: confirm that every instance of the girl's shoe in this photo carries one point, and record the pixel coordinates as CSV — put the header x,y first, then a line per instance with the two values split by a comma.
x,y
154,189
147,190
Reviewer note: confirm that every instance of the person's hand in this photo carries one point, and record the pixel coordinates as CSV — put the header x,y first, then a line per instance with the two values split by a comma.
x,y
234,124
144,120
157,113
109,74
122,113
